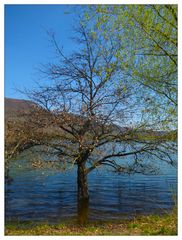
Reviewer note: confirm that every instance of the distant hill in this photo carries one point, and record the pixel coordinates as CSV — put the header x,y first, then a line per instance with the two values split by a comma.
x,y
13,107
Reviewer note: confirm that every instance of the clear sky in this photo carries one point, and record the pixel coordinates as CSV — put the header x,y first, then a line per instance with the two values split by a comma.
x,y
27,43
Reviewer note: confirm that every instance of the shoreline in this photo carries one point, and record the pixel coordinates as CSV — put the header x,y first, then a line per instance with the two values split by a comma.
x,y
141,225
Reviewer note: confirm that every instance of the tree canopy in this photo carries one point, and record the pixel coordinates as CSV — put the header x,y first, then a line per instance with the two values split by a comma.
x,y
147,35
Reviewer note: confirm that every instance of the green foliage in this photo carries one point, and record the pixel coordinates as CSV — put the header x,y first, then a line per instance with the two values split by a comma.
x,y
147,40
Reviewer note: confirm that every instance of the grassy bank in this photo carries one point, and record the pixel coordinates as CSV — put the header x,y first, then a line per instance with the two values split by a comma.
x,y
143,225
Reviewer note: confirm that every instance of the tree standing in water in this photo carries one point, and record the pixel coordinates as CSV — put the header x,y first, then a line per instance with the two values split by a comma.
x,y
81,111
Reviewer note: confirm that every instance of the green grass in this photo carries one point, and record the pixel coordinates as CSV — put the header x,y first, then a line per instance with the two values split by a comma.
x,y
143,225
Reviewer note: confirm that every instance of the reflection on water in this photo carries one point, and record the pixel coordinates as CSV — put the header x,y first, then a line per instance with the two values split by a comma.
x,y
42,195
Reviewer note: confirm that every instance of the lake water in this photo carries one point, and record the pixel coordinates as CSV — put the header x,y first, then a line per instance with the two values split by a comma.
x,y
51,196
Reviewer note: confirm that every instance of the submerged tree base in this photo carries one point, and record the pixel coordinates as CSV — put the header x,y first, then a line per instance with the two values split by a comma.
x,y
143,225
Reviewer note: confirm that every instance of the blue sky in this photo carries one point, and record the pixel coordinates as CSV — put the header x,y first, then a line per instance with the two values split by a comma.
x,y
27,44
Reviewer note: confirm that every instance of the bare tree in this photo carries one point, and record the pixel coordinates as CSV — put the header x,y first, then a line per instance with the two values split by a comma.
x,y
81,112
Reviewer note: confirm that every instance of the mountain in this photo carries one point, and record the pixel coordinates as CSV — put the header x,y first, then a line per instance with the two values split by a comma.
x,y
13,107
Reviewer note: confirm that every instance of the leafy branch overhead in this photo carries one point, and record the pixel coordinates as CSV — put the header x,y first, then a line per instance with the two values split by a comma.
x,y
147,35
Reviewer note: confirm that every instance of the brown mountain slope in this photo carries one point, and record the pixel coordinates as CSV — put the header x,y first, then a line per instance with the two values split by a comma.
x,y
13,107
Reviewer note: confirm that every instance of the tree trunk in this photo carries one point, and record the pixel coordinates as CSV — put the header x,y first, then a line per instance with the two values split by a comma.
x,y
83,197
82,182
82,211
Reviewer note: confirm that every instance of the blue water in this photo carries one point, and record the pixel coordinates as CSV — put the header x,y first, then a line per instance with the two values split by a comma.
x,y
51,196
